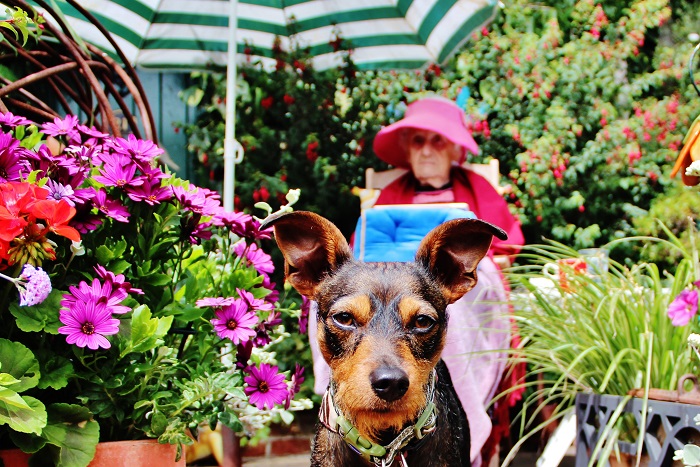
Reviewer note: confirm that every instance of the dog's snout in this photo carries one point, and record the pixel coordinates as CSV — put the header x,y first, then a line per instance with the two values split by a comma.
x,y
389,383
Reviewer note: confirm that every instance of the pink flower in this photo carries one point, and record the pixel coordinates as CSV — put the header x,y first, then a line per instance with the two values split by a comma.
x,y
141,150
214,302
266,386
304,316
87,324
110,207
106,294
235,322
254,303
294,384
683,307
261,261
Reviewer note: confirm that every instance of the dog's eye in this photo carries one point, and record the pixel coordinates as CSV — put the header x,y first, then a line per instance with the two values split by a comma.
x,y
344,319
423,323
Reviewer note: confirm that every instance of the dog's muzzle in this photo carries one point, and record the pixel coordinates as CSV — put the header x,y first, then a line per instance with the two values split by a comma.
x,y
381,456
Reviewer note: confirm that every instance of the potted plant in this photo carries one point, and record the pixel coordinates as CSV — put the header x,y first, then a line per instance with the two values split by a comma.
x,y
600,330
133,306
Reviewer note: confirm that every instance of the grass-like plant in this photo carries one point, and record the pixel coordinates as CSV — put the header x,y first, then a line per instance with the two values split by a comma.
x,y
605,332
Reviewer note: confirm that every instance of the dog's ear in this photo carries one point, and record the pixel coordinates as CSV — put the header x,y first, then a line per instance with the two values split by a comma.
x,y
451,252
312,246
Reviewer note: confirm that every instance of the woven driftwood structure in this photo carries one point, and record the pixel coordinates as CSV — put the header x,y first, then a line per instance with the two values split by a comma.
x,y
57,75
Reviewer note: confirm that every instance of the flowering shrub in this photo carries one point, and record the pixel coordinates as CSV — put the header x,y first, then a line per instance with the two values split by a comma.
x,y
585,106
144,309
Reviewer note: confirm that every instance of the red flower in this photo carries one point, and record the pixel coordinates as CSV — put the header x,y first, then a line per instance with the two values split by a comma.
x,y
16,200
267,102
311,151
336,43
289,100
57,215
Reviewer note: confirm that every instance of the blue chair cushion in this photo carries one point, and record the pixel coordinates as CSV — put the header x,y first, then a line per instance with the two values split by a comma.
x,y
393,232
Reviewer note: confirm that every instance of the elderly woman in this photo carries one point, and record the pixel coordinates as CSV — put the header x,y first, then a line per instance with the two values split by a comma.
x,y
432,141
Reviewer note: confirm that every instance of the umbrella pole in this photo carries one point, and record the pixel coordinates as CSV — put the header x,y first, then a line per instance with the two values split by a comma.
x,y
233,151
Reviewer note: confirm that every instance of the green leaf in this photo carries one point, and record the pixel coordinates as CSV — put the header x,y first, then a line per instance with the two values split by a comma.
x,y
70,428
119,266
104,255
146,332
6,379
55,373
159,423
22,413
18,361
41,317
157,279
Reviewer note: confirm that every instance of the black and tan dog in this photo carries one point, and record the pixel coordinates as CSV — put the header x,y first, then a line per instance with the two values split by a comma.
x,y
381,328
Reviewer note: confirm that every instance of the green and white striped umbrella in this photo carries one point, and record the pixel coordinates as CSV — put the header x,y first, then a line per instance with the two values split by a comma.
x,y
187,34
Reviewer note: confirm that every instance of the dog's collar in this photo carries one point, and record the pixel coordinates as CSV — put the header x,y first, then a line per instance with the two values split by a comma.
x,y
381,456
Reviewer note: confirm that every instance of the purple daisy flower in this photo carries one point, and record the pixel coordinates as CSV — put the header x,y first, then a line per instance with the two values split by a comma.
x,y
304,316
152,174
151,193
261,261
214,302
252,230
12,162
274,295
84,222
683,307
85,154
254,303
10,120
120,172
189,197
58,128
294,384
87,324
235,322
110,207
243,352
97,292
200,232
117,279
33,285
92,132
262,330
266,386
58,191
234,220
141,150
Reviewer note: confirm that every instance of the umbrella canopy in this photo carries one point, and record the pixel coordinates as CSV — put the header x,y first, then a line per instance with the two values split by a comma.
x,y
187,34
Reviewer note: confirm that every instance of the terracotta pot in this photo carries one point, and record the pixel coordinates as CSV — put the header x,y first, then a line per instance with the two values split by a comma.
x,y
628,460
141,453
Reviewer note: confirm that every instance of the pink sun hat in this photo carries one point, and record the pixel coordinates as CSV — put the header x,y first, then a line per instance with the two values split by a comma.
x,y
436,114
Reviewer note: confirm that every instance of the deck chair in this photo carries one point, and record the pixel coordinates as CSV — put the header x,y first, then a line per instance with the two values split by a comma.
x,y
375,181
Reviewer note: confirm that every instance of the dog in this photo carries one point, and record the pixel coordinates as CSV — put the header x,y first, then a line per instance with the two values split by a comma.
x,y
381,328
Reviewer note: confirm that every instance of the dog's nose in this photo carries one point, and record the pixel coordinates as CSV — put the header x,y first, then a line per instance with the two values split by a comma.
x,y
389,383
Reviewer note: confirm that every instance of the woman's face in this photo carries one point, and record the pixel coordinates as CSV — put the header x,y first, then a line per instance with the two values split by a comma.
x,y
430,155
